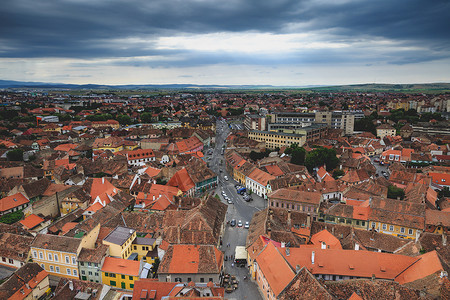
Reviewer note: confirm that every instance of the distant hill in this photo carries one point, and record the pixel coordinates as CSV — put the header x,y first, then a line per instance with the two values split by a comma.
x,y
378,87
426,87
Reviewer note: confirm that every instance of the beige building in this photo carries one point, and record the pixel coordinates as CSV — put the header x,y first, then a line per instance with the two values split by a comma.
x,y
385,130
276,139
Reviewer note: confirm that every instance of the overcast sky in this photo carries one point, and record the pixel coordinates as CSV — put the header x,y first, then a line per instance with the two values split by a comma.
x,y
278,42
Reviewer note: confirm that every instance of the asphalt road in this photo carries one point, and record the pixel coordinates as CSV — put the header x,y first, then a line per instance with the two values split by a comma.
x,y
239,210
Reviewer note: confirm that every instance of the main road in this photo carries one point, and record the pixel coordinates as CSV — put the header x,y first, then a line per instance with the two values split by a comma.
x,y
239,210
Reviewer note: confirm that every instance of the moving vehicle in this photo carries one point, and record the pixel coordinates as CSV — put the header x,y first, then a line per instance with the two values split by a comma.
x,y
241,190
225,177
229,201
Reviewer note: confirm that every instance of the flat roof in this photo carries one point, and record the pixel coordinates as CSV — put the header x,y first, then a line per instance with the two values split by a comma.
x,y
119,235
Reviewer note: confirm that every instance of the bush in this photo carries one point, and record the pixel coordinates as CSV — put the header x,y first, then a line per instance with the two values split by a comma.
x,y
15,155
395,192
12,217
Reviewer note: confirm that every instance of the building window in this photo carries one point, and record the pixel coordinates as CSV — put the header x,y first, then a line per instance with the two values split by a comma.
x,y
131,285
50,256
410,231
82,272
96,274
130,277
34,254
210,279
123,276
112,283
189,279
384,226
67,260
56,256
402,229
90,273
57,269
41,255
75,273
68,271
202,279
81,263
74,260
391,227
42,266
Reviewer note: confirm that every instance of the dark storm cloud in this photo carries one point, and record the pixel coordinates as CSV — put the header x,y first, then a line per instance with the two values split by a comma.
x,y
93,29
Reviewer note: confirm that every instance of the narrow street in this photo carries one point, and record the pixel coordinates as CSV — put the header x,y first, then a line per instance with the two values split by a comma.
x,y
239,210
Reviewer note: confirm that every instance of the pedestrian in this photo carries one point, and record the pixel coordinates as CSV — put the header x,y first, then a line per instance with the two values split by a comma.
x,y
232,264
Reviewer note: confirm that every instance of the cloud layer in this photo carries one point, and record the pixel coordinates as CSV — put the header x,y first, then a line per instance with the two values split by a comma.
x,y
77,37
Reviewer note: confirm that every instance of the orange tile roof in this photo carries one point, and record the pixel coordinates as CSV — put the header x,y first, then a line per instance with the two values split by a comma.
x,y
276,270
440,178
186,258
274,170
350,263
12,201
322,172
260,176
140,153
121,266
182,180
65,147
325,236
95,207
355,296
31,221
101,187
361,212
152,172
145,286
427,264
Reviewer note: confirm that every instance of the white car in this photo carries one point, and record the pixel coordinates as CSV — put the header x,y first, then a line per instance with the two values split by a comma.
x,y
247,225
225,177
239,224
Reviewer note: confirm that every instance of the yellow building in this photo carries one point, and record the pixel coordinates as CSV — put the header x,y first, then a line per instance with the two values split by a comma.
x,y
120,273
276,139
145,248
396,230
57,254
120,241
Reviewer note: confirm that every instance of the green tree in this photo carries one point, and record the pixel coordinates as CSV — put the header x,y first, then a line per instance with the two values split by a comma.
x,y
338,173
298,155
124,119
15,155
395,192
146,117
321,156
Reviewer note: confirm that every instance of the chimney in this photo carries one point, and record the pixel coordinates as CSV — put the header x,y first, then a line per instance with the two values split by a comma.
x,y
308,221
356,246
323,245
71,285
313,254
444,239
139,180
289,218
288,251
103,180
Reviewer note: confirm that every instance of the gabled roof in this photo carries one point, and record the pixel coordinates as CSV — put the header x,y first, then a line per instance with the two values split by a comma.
x,y
31,221
182,180
275,268
12,201
304,286
21,284
191,259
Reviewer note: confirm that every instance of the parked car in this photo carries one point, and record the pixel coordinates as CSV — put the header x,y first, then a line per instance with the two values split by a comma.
x,y
225,177
239,224
233,223
247,225
229,201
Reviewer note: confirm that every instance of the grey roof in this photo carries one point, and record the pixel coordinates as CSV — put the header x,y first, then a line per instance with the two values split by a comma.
x,y
144,241
119,235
